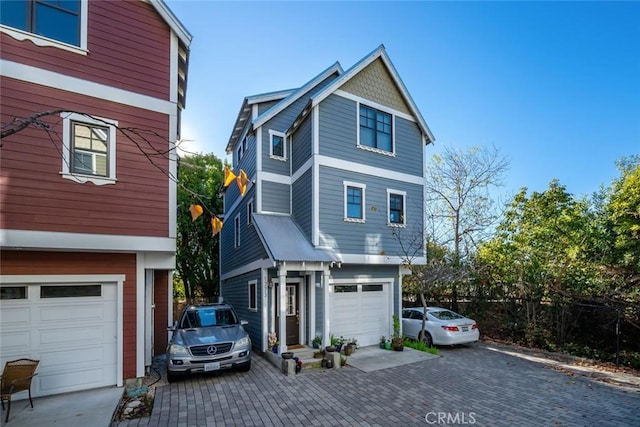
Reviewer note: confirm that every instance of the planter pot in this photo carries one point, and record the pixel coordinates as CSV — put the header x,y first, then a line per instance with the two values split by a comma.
x,y
275,349
330,348
339,348
397,344
387,345
287,355
328,364
381,345
315,345
348,350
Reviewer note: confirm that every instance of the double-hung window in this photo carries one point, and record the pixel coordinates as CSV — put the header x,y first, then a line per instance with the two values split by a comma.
x,y
396,207
354,202
277,145
376,129
89,148
62,21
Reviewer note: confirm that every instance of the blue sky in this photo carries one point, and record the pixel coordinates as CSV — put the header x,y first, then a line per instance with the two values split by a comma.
x,y
554,85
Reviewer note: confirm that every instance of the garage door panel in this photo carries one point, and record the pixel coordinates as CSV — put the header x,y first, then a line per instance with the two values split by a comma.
x,y
81,312
15,342
18,317
62,361
77,379
76,336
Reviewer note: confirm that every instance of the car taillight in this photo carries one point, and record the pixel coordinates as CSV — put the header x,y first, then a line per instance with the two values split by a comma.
x,y
450,328
475,326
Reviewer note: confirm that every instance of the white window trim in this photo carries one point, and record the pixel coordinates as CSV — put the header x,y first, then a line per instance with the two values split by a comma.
x,y
249,212
236,231
67,173
363,187
404,207
255,295
391,153
273,133
45,41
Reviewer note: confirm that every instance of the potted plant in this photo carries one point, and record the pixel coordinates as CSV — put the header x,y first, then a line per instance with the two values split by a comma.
x,y
383,341
348,349
397,343
317,342
339,343
273,342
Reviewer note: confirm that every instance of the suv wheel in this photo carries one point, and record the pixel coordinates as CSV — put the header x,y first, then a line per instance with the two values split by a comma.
x,y
245,367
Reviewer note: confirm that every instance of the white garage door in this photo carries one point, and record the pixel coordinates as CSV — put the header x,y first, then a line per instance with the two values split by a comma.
x,y
71,329
361,311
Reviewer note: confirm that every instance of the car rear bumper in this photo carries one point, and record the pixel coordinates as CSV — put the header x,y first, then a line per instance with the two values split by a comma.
x,y
185,364
453,338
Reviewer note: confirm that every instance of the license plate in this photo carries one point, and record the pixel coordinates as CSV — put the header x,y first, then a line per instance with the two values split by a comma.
x,y
465,329
213,366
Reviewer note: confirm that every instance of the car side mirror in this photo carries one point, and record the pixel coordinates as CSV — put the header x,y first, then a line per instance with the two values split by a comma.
x,y
173,328
243,323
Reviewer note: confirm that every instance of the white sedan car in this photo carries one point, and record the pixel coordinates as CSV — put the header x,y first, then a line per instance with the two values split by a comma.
x,y
443,327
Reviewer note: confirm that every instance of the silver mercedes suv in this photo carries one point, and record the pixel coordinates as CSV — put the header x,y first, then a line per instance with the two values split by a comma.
x,y
206,338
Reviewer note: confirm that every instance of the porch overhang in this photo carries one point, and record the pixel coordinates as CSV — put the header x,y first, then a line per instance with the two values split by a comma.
x,y
287,246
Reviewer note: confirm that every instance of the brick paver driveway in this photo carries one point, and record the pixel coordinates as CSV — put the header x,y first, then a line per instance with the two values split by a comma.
x,y
470,385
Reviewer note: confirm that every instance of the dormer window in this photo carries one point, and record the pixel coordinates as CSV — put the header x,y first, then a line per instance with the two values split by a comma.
x,y
376,130
277,146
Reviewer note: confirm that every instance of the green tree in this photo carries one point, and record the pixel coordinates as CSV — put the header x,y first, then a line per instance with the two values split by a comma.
x,y
200,177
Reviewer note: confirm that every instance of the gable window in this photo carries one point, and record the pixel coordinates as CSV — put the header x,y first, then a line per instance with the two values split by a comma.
x,y
396,207
89,145
277,145
375,129
236,233
253,295
62,21
354,202
249,212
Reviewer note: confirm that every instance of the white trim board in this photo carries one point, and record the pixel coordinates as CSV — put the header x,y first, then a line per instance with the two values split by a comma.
x,y
39,76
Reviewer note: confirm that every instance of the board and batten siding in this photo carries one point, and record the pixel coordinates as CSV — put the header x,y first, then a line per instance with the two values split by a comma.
x,y
301,206
301,145
374,237
235,291
338,138
37,197
264,106
250,249
35,263
128,44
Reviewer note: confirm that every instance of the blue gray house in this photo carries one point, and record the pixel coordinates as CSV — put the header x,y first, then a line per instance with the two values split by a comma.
x,y
335,167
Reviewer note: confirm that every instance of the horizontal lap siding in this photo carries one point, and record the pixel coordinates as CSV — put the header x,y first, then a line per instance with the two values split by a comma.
x,y
128,48
36,197
282,122
301,145
302,203
64,263
251,248
374,237
338,139
275,197
236,292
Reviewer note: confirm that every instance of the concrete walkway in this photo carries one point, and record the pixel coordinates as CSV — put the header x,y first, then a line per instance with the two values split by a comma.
x,y
80,409
374,358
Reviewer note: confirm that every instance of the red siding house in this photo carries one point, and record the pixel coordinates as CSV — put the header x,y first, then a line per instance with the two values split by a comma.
x,y
87,199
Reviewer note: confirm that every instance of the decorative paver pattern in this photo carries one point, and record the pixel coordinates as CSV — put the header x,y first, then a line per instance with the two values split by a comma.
x,y
469,385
